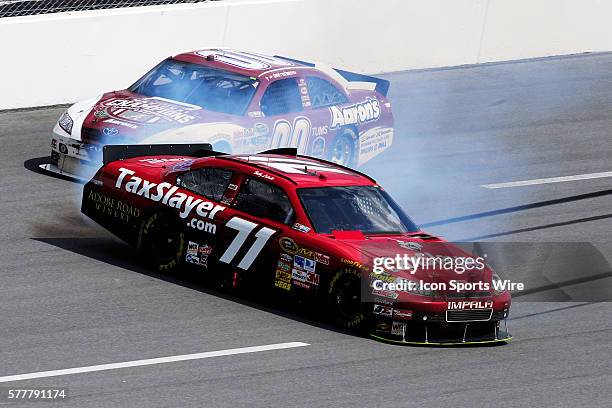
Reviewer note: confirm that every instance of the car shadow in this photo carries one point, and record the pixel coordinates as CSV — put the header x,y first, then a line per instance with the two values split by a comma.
x,y
114,252
34,166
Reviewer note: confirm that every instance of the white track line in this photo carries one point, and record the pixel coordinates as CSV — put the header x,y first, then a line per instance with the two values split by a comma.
x,y
151,361
549,180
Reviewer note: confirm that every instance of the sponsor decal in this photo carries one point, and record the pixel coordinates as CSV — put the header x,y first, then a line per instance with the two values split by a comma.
x,y
112,207
150,110
283,266
383,327
402,314
373,141
386,278
282,285
283,276
470,305
301,284
305,263
181,166
208,227
413,246
288,245
304,93
320,131
197,254
167,194
300,227
385,293
110,131
363,112
255,114
286,257
258,135
318,147
398,328
321,258
306,252
352,263
383,310
232,187
153,160
300,275
281,74
121,123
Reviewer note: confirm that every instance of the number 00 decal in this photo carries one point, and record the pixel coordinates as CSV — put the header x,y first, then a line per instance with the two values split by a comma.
x,y
284,135
244,229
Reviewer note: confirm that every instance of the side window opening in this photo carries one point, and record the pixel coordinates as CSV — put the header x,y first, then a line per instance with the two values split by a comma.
x,y
281,97
264,200
323,93
209,182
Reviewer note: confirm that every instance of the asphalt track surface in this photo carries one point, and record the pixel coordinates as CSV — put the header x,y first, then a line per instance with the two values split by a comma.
x,y
72,295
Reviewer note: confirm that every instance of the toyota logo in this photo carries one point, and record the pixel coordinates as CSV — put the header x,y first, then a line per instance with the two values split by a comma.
x,y
110,131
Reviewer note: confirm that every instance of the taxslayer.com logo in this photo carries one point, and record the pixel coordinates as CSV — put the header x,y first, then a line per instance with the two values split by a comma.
x,y
359,113
167,194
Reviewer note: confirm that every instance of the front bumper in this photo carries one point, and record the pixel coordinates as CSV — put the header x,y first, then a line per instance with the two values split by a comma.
x,y
406,323
436,333
73,159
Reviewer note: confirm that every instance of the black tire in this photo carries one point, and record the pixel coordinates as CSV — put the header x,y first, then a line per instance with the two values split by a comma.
x,y
162,241
344,301
343,149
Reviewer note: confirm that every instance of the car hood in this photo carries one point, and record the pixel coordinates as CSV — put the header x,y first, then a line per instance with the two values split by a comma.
x,y
126,117
447,261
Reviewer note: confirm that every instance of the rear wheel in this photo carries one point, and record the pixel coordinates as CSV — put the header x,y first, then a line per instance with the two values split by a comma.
x,y
344,300
162,240
344,148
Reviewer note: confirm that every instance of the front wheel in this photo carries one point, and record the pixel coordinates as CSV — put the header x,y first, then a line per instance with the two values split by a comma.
x,y
162,241
344,300
343,149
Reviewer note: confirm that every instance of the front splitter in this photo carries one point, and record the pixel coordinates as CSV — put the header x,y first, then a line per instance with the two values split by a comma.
x,y
431,343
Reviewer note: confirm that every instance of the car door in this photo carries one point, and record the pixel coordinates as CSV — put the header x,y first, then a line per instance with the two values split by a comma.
x,y
263,214
203,232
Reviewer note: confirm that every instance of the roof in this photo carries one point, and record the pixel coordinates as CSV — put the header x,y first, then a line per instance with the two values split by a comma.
x,y
246,63
301,170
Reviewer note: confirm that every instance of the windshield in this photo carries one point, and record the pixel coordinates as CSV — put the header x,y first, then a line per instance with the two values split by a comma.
x,y
212,89
357,208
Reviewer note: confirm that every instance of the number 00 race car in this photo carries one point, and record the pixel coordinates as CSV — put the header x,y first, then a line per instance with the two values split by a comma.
x,y
300,227
239,102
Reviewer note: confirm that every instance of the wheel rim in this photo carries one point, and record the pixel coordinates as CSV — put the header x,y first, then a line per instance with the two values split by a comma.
x,y
165,240
342,151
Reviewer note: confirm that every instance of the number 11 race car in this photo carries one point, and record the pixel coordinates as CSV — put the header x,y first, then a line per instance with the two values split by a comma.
x,y
239,102
299,227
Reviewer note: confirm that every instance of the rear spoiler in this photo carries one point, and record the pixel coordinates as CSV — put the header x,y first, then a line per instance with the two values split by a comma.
x,y
113,153
350,80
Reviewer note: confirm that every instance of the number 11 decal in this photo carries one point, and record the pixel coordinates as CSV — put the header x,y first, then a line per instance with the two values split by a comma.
x,y
244,229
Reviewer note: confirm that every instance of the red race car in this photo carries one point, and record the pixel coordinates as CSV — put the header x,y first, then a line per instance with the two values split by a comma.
x,y
239,102
301,227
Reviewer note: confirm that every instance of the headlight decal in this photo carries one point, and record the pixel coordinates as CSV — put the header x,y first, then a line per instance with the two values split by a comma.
x,y
66,122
